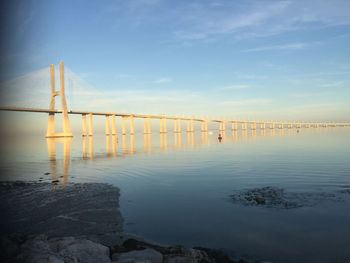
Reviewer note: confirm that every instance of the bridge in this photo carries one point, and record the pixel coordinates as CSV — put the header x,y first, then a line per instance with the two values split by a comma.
x,y
110,118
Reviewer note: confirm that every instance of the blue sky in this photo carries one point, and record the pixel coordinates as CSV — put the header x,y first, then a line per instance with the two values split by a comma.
x,y
234,59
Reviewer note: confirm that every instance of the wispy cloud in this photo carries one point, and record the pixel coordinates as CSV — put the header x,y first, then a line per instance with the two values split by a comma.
x,y
333,84
162,80
248,76
288,46
233,87
301,95
253,19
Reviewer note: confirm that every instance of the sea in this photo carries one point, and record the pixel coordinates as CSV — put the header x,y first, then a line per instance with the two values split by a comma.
x,y
178,188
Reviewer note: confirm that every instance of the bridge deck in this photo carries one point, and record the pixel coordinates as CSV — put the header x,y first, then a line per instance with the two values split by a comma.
x,y
39,110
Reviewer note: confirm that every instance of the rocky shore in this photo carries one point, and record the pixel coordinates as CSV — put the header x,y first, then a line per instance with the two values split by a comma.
x,y
46,222
42,248
278,198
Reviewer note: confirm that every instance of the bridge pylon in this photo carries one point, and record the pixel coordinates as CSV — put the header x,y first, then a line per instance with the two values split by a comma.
x,y
65,119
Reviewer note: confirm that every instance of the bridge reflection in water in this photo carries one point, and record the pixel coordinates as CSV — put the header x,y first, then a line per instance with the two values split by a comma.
x,y
125,145
57,174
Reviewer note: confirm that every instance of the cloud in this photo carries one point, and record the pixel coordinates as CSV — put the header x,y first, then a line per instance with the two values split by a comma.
x,y
162,80
333,84
249,76
301,95
234,87
252,19
289,46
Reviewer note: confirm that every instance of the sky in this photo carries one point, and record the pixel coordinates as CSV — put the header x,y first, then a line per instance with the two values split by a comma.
x,y
274,60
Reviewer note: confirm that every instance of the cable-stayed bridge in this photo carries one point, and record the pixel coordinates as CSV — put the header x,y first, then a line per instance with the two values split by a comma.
x,y
128,118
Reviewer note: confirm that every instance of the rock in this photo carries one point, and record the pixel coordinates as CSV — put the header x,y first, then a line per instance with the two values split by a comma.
x,y
65,250
260,200
275,197
138,256
9,248
89,211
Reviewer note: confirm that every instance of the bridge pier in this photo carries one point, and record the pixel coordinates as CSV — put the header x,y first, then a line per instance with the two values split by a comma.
x,y
147,125
90,133
123,125
190,127
204,126
234,126
179,125
83,125
144,126
114,131
107,125
50,133
222,126
253,126
162,125
132,129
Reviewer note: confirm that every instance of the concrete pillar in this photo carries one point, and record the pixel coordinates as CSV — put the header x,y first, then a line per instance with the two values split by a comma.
x,y
175,126
132,127
222,126
253,126
243,127
123,125
51,120
148,125
145,120
178,125
114,132
192,126
84,131
188,126
66,125
90,124
161,129
107,125
165,125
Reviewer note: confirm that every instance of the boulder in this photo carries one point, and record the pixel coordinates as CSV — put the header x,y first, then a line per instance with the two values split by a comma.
x,y
66,250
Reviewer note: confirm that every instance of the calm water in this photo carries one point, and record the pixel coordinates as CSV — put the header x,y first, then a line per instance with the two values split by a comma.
x,y
175,189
